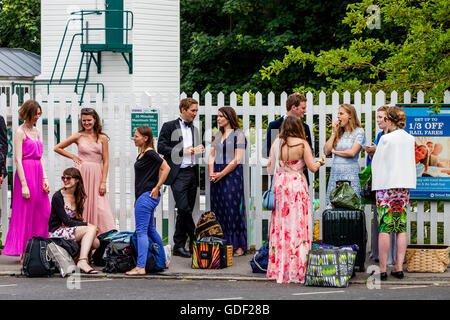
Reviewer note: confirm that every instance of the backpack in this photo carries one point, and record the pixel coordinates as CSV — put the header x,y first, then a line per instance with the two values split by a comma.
x,y
118,257
156,256
208,226
36,263
104,239
260,260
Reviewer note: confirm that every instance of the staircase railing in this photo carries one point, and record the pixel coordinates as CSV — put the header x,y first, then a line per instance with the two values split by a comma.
x,y
80,16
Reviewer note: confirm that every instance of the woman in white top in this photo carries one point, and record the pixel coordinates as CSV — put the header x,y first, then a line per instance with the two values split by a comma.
x,y
393,174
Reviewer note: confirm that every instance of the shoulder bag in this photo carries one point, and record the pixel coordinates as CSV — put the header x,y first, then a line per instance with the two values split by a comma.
x,y
269,195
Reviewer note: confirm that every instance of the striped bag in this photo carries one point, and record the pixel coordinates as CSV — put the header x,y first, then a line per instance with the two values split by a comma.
x,y
208,226
206,255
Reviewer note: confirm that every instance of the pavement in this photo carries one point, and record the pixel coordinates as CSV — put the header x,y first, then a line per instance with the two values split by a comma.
x,y
180,268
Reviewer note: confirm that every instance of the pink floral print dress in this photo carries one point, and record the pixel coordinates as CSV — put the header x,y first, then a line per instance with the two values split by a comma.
x,y
289,240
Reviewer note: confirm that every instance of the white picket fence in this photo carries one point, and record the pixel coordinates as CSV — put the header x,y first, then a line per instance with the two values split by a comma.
x,y
115,113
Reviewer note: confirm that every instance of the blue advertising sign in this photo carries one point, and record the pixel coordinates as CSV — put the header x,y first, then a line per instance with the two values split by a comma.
x,y
432,151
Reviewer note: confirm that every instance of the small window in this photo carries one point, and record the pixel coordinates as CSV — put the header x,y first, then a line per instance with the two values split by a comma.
x,y
7,91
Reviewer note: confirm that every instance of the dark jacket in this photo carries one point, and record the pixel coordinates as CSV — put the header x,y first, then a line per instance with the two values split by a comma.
x,y
170,146
71,246
3,146
59,217
274,129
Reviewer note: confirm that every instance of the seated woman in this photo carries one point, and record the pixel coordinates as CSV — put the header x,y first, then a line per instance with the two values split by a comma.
x,y
66,220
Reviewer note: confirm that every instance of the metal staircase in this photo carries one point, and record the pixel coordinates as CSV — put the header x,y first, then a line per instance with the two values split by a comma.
x,y
114,31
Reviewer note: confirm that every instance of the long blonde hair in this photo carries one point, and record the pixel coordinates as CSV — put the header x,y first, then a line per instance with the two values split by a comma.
x,y
353,122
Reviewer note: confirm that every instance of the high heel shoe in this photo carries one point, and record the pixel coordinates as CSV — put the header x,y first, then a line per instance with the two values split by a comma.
x,y
383,276
398,274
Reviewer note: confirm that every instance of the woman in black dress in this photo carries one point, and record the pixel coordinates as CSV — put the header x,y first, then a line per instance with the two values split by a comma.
x,y
227,181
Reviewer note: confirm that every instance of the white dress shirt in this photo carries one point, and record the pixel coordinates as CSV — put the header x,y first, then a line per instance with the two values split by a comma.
x,y
188,160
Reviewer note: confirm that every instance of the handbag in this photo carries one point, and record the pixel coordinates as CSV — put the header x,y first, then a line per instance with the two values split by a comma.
x,y
365,178
330,267
268,197
61,258
343,196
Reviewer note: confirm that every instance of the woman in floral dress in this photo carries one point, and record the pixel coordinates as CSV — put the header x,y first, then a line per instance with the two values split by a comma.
x,y
393,174
289,237
345,143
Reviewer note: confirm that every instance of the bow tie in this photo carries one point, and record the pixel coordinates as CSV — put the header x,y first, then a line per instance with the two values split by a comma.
x,y
187,124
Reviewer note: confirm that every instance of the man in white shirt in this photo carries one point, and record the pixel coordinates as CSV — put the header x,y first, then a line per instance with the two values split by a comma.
x,y
178,143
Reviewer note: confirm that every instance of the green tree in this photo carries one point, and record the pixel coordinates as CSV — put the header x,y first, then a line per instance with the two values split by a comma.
x,y
224,43
20,23
410,51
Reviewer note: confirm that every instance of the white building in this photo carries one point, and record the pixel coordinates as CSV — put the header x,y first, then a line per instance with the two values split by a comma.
x,y
151,28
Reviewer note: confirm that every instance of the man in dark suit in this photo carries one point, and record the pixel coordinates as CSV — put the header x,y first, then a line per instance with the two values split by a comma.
x,y
179,143
295,106
3,150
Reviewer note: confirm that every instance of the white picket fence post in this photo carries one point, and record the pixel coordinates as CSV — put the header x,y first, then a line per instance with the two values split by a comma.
x,y
116,118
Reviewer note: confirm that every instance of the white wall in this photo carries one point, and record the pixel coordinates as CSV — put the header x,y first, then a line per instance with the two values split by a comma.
x,y
155,39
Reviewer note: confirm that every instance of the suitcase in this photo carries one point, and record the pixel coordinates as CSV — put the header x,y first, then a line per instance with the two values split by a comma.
x,y
346,227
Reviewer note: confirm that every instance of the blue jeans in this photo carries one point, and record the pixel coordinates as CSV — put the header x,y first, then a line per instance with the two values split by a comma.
x,y
144,213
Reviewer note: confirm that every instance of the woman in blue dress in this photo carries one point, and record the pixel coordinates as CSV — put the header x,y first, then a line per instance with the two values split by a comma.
x,y
345,143
227,180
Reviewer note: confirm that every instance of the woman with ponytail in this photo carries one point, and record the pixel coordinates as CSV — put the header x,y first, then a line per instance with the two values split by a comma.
x,y
66,217
150,173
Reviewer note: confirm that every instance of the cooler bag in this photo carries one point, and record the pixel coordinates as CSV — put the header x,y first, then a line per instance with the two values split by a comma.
x,y
346,227
207,255
329,267
224,250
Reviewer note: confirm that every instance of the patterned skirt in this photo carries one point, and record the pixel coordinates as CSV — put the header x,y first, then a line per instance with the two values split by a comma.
x,y
67,233
391,210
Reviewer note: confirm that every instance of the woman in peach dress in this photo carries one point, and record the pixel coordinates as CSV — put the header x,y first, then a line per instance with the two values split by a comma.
x,y
289,237
92,161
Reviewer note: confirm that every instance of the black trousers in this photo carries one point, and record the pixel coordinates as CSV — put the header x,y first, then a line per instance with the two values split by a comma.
x,y
184,189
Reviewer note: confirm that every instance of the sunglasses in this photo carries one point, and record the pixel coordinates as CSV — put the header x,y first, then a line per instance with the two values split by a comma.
x,y
63,178
87,110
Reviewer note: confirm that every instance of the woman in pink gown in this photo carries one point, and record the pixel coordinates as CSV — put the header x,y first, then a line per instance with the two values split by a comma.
x,y
92,161
289,238
30,203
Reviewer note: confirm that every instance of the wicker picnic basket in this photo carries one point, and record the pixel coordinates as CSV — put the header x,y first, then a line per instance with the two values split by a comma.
x,y
427,258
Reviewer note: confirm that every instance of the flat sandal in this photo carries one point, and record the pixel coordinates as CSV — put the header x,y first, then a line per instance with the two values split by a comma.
x,y
135,272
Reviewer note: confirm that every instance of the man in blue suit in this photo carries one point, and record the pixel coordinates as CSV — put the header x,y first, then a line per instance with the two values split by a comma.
x,y
295,106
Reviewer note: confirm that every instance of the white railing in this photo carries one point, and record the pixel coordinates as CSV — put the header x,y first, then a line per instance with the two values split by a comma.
x,y
115,113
